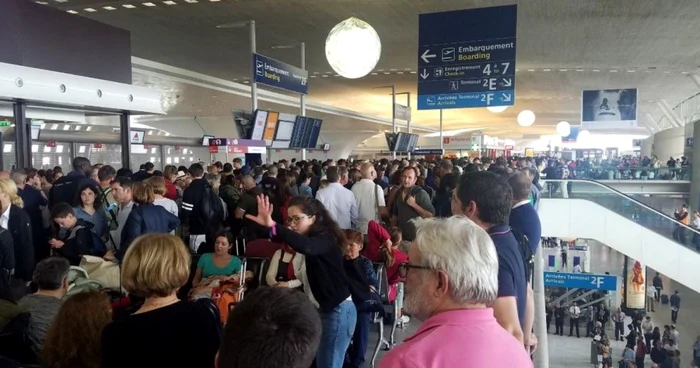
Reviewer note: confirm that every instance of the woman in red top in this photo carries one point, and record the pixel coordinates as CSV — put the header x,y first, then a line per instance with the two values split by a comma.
x,y
393,257
169,176
377,237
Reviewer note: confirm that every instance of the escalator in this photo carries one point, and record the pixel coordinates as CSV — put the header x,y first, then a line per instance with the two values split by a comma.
x,y
599,212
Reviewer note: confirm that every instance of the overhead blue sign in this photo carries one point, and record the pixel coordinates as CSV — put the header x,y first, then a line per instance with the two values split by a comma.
x,y
466,58
428,151
280,75
689,142
580,281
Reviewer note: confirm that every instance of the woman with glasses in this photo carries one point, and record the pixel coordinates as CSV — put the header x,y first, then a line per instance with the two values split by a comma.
x,y
312,232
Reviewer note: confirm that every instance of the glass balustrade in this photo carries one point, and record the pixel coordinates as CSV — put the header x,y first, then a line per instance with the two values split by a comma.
x,y
631,173
625,206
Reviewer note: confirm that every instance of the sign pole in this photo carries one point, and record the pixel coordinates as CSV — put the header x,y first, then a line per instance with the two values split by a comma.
x,y
253,84
302,99
408,122
542,352
442,141
393,115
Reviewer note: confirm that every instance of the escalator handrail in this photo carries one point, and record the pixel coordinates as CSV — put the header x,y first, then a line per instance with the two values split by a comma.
x,y
615,191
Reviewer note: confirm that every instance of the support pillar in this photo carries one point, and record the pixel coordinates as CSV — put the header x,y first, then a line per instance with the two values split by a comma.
x,y
542,352
125,139
23,138
695,170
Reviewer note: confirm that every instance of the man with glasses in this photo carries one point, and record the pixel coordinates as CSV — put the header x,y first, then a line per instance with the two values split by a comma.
x,y
450,281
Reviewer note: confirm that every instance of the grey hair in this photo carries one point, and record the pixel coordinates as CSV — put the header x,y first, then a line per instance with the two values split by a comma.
x,y
50,272
19,176
465,252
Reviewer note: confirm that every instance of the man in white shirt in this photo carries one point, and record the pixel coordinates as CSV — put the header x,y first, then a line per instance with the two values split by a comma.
x,y
574,314
651,297
577,268
369,197
338,200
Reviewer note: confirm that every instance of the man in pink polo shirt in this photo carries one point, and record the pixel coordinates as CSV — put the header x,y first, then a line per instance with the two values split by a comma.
x,y
450,280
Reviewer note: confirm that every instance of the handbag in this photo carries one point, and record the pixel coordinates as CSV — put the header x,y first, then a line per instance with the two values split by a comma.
x,y
106,272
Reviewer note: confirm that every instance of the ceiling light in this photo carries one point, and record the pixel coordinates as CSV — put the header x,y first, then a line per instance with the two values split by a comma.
x,y
563,128
496,109
413,72
149,4
373,73
71,11
191,1
128,6
546,70
109,8
353,48
583,135
531,70
90,10
579,70
42,2
214,1
631,71
613,70
169,2
399,72
563,70
596,70
526,118
61,1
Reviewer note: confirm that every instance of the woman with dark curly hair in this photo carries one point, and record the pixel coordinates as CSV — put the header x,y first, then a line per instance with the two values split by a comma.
x,y
89,209
74,337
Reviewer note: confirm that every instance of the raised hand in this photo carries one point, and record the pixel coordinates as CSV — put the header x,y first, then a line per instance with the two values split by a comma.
x,y
264,217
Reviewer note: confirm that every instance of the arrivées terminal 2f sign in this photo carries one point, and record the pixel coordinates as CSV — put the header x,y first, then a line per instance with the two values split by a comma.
x,y
466,58
277,74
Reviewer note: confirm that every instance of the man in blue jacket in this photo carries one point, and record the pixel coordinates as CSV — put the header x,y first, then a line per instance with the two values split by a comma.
x,y
66,187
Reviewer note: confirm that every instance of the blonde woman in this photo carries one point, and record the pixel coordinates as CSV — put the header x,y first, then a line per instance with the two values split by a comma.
x,y
165,331
14,219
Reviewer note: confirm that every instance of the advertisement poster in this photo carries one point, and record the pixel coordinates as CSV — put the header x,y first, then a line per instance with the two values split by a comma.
x,y
609,108
635,284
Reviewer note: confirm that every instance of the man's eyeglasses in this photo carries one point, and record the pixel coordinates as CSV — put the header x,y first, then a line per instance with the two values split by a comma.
x,y
295,219
404,267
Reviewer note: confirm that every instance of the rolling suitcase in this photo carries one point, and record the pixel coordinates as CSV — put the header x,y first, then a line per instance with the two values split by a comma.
x,y
664,299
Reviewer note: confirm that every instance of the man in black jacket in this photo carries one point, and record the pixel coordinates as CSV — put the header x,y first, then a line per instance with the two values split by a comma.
x,y
66,187
202,209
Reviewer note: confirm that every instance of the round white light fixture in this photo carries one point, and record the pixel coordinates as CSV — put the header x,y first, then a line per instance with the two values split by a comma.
x,y
496,109
583,135
353,48
563,128
526,118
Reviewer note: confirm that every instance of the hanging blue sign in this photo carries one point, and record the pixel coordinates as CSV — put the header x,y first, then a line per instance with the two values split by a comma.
x,y
466,58
428,152
689,142
280,75
580,281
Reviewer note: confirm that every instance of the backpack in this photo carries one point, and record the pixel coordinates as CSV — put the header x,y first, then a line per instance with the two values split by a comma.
x,y
214,206
225,297
526,252
98,246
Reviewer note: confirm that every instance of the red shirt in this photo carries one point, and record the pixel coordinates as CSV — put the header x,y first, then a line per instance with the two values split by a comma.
x,y
392,272
376,236
170,190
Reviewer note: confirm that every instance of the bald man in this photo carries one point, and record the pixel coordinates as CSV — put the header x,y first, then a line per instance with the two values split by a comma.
x,y
4,174
369,198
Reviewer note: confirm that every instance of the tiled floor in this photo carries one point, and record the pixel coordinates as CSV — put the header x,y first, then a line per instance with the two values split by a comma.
x,y
571,352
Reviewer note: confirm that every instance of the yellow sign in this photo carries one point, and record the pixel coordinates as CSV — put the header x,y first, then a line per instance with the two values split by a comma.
x,y
529,152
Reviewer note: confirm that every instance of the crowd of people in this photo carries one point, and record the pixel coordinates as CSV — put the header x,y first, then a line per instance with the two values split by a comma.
x,y
456,238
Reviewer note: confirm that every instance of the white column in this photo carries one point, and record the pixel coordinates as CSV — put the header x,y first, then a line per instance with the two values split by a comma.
x,y
542,352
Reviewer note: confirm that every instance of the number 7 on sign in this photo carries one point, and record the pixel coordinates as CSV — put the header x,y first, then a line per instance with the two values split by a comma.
x,y
505,67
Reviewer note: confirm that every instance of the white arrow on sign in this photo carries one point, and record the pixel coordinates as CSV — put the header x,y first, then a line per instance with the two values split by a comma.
x,y
506,97
507,82
424,74
427,56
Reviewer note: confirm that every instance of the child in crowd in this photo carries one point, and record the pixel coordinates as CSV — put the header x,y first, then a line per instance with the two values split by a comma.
x,y
75,237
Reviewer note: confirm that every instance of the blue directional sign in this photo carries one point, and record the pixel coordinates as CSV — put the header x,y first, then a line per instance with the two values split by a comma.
x,y
280,75
580,281
689,142
466,58
428,152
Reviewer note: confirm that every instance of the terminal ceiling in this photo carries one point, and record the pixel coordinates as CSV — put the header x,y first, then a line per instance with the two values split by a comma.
x,y
563,47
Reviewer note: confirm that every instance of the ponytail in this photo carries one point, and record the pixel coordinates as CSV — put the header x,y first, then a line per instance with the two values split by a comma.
x,y
395,237
17,201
